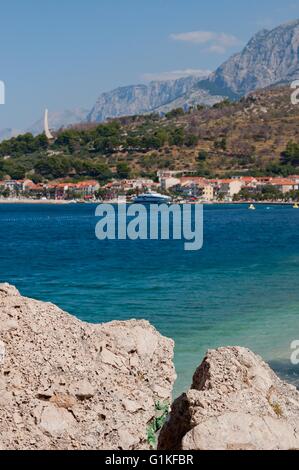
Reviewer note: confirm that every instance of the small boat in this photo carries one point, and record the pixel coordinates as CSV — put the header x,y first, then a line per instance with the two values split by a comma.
x,y
296,206
152,198
252,207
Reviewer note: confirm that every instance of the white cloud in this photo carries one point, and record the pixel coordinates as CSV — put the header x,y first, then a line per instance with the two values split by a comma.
x,y
197,37
175,74
214,42
217,48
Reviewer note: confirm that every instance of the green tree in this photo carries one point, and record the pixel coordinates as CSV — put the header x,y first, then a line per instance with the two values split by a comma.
x,y
53,167
223,104
177,137
221,144
5,193
191,140
202,156
291,154
41,142
100,171
123,170
14,169
175,113
279,169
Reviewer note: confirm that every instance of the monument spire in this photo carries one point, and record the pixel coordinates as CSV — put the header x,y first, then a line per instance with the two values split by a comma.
x,y
46,126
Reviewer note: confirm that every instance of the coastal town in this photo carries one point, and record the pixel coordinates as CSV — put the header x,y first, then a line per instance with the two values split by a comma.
x,y
182,187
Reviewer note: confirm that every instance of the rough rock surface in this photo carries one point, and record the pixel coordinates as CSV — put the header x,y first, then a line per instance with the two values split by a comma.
x,y
236,402
140,99
270,57
65,384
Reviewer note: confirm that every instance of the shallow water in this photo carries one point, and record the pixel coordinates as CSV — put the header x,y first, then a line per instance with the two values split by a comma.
x,y
240,289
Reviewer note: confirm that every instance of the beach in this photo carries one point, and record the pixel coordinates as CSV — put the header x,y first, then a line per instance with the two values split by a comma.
x,y
33,201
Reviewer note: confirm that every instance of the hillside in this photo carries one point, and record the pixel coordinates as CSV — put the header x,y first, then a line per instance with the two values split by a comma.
x,y
248,136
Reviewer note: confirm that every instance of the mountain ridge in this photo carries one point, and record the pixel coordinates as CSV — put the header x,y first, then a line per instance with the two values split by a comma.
x,y
140,99
270,58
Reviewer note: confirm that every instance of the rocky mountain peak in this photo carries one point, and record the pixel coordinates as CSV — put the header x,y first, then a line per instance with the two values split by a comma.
x,y
269,58
140,99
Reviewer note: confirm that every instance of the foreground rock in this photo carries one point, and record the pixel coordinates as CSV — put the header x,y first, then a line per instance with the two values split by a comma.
x,y
65,384
236,402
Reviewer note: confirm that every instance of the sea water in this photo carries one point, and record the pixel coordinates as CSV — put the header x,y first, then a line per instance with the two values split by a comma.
x,y
241,288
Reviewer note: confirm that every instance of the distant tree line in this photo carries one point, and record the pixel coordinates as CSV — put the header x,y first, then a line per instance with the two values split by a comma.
x,y
103,139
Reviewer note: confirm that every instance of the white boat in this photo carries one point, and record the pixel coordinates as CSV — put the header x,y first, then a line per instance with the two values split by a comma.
x,y
152,198
251,207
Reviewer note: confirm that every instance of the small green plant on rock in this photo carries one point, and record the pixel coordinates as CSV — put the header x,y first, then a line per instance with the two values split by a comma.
x,y
162,410
277,409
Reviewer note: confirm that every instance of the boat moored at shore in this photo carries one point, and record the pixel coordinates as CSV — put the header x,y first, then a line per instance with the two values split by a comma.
x,y
152,198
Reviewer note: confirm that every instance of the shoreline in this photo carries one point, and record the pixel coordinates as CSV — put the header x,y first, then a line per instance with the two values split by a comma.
x,y
115,201
35,201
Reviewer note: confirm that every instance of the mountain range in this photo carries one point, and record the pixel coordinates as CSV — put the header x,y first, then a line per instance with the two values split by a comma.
x,y
142,99
60,119
8,133
270,58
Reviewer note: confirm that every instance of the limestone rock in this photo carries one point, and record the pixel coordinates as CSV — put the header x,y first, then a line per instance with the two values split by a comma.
x,y
56,421
83,390
141,99
65,384
270,57
236,402
241,431
2,352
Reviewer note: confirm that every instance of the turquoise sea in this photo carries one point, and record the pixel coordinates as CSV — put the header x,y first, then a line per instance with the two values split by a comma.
x,y
242,288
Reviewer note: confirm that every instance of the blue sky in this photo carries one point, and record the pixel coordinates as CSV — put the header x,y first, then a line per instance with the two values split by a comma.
x,y
64,53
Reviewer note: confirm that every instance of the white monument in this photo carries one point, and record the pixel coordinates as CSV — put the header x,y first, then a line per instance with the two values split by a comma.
x,y
46,126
